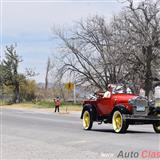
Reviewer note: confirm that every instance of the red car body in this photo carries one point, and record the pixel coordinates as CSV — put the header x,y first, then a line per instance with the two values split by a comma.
x,y
105,106
121,108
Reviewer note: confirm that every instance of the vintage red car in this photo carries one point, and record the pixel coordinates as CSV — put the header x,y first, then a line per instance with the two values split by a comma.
x,y
120,107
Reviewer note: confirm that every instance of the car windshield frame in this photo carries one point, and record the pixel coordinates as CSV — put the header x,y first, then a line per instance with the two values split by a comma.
x,y
120,89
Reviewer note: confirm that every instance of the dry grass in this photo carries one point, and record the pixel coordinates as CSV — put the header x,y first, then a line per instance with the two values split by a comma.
x,y
20,105
63,108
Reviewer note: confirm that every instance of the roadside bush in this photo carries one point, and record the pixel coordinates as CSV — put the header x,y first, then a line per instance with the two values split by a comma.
x,y
46,104
27,90
50,104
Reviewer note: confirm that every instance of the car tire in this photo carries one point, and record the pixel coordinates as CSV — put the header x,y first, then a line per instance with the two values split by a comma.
x,y
87,119
156,126
119,124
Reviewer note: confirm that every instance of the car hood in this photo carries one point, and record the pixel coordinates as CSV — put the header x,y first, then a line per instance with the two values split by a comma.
x,y
123,98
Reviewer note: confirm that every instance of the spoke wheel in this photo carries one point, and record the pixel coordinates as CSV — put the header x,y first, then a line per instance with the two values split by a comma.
x,y
119,125
87,120
156,126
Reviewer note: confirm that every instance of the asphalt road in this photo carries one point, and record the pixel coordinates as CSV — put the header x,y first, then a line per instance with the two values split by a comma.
x,y
29,134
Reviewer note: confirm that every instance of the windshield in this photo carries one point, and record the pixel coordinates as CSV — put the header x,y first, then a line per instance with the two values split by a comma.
x,y
121,89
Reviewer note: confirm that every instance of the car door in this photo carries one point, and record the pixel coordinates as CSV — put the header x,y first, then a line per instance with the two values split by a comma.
x,y
104,106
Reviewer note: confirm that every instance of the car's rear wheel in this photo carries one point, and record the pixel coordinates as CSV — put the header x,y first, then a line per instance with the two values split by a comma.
x,y
156,126
119,124
87,120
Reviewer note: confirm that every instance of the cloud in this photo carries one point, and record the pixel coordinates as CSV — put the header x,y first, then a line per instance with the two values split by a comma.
x,y
41,16
29,24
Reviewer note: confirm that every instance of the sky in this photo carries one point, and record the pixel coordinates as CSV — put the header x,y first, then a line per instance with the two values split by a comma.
x,y
28,23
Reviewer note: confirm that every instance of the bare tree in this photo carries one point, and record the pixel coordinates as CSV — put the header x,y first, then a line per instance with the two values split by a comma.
x,y
138,27
29,72
128,48
89,53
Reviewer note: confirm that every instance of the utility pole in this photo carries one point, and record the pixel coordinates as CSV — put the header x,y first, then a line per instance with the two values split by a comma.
x,y
47,71
74,93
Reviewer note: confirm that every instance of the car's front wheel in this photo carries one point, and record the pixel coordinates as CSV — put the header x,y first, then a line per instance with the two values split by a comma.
x,y
119,124
87,120
156,126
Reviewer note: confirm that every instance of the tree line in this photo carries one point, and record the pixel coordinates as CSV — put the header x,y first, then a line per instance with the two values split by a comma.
x,y
15,86
95,53
125,49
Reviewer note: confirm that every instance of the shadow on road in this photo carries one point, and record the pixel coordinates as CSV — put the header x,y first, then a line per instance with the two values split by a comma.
x,y
129,131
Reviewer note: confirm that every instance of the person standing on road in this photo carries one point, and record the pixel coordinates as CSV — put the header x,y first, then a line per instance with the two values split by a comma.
x,y
57,103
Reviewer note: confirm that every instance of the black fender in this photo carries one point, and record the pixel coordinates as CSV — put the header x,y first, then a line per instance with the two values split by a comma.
x,y
157,110
120,108
91,108
154,110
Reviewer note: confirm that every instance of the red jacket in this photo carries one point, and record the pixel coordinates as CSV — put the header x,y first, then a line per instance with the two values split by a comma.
x,y
57,102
